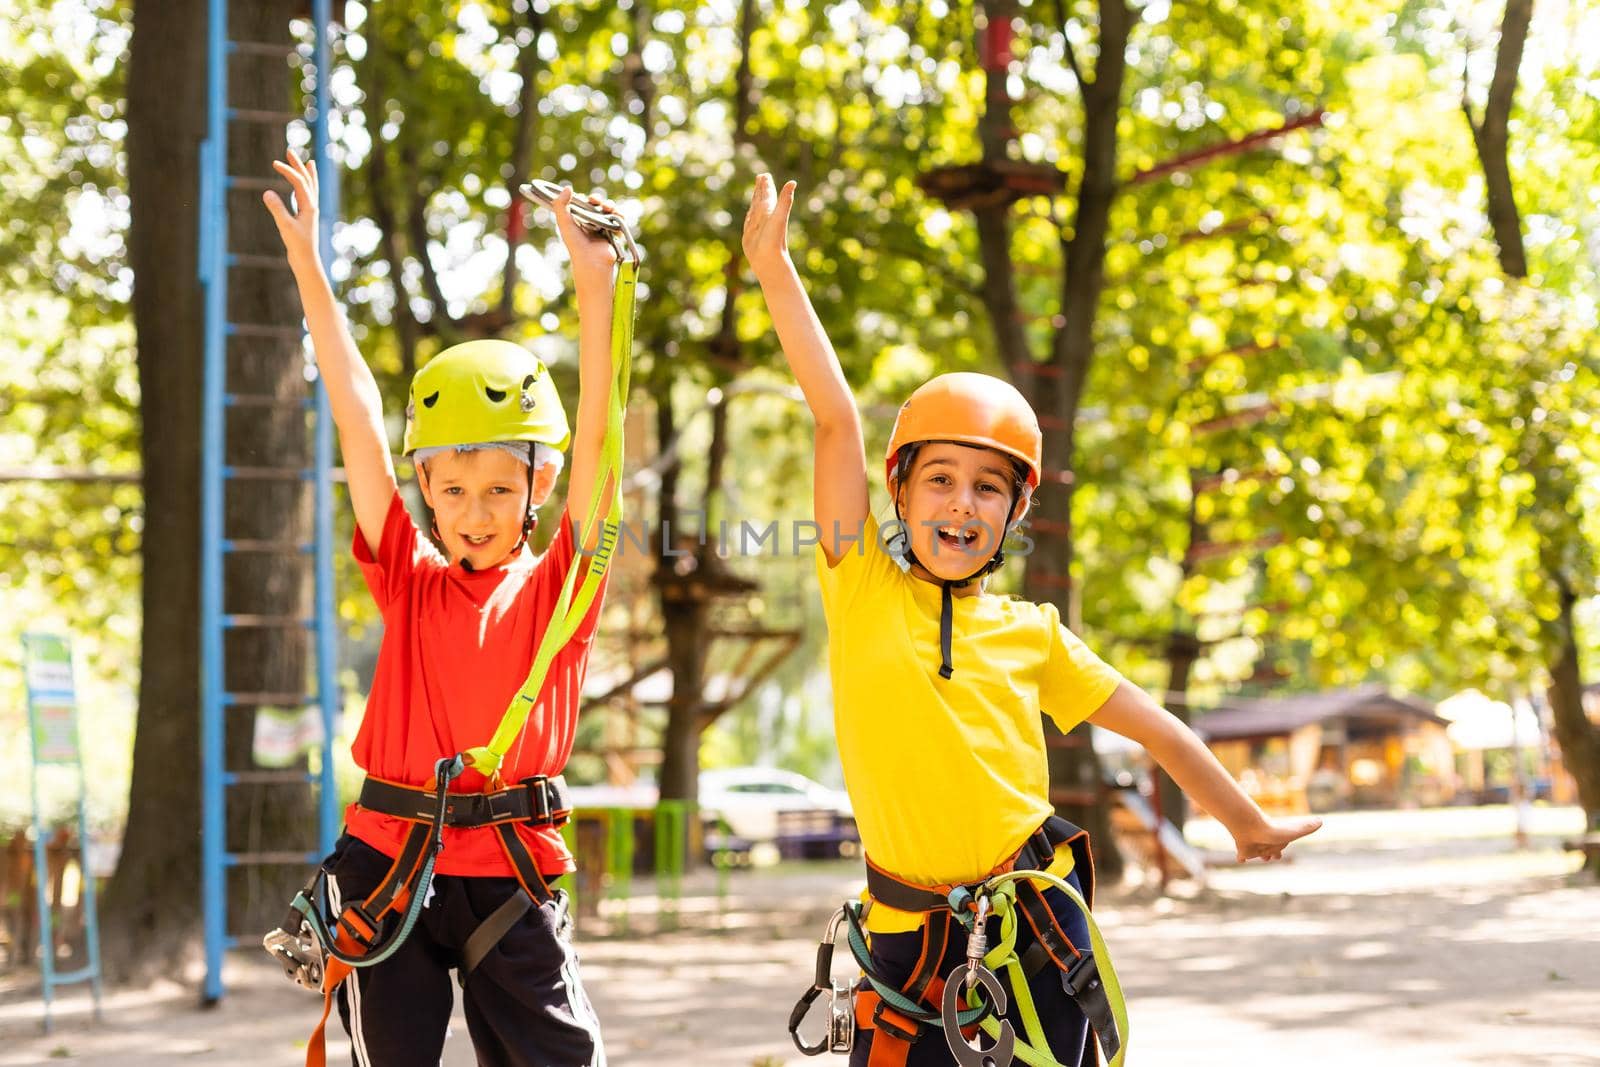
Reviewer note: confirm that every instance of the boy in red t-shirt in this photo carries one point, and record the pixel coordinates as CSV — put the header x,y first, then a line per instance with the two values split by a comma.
x,y
487,431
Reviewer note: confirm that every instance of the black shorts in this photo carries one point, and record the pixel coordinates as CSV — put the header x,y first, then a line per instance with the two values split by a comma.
x,y
525,1004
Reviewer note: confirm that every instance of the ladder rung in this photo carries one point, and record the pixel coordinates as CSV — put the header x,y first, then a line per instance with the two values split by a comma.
x,y
261,622
262,329
255,114
246,181
256,700
261,48
268,473
260,400
246,544
262,859
267,777
256,262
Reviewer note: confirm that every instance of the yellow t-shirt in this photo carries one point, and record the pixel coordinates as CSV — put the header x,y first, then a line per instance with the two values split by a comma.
x,y
947,777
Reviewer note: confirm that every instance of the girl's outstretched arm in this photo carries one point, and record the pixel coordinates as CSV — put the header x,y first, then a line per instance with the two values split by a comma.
x,y
1131,712
839,481
352,391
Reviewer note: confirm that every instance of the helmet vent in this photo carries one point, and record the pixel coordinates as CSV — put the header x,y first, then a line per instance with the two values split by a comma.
x,y
495,395
429,401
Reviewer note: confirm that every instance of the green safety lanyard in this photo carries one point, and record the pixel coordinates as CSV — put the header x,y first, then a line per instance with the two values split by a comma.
x,y
574,602
1035,1049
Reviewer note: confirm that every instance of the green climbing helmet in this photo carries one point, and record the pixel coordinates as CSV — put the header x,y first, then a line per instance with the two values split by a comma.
x,y
481,392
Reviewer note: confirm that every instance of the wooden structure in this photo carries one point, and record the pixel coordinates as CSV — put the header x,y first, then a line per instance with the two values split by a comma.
x,y
1320,751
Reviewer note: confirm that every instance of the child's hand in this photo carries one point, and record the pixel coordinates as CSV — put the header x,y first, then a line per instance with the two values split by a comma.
x,y
1268,840
594,259
298,229
766,225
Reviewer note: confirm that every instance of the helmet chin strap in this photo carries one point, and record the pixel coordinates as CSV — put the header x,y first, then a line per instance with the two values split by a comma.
x,y
909,559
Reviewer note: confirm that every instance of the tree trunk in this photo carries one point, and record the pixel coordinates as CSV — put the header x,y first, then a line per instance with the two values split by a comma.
x,y
1491,136
151,908
1578,737
684,619
272,659
1056,391
1183,650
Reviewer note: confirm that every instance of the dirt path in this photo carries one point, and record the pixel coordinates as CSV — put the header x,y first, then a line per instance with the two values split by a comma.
x,y
1401,948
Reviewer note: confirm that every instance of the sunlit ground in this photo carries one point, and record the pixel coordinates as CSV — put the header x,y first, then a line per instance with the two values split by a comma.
x,y
1392,938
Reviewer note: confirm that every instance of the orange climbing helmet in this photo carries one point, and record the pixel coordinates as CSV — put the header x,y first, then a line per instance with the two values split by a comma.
x,y
969,409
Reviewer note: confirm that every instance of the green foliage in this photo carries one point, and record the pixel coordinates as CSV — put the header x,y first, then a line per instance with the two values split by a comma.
x,y
68,392
1425,460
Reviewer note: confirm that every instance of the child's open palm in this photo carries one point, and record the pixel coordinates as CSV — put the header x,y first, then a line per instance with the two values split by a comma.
x,y
766,224
299,227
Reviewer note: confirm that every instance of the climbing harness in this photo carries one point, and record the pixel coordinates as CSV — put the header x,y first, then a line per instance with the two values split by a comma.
x,y
971,997
319,949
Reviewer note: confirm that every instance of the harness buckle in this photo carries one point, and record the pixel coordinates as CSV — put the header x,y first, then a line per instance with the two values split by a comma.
x,y
361,926
1082,977
894,1024
501,804
299,953
539,809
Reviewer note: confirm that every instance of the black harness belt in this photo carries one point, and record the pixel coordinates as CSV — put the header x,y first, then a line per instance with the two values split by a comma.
x,y
537,801
1036,854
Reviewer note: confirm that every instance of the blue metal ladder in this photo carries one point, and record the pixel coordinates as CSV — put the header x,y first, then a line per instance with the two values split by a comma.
x,y
216,259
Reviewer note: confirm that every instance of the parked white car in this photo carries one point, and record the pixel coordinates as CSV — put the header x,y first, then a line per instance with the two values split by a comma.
x,y
749,799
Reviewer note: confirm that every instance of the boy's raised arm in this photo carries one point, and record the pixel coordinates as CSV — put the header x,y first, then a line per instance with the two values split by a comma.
x,y
839,481
352,391
593,265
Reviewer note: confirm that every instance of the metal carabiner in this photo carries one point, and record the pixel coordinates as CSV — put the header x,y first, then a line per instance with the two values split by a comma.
x,y
591,221
977,942
300,955
841,1032
1005,1045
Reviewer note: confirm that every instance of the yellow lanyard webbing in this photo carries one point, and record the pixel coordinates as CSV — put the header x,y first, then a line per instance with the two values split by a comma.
x,y
573,606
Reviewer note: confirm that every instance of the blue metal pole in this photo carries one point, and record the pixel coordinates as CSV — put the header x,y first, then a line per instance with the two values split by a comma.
x,y
213,235
91,917
327,680
41,882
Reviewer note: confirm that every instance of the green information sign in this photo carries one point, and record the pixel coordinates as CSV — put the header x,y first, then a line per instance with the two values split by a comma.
x,y
52,699
53,726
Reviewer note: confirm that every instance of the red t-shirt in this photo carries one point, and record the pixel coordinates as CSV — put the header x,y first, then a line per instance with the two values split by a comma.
x,y
456,647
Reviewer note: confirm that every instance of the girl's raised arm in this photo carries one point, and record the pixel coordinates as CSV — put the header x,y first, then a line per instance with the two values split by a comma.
x,y
839,482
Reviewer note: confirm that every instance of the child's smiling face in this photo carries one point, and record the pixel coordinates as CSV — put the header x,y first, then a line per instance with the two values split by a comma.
x,y
479,499
955,501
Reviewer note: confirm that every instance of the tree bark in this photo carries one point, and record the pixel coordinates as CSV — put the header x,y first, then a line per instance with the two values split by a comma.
x,y
273,659
1055,389
149,917
150,907
1491,137
686,611
684,619
1578,737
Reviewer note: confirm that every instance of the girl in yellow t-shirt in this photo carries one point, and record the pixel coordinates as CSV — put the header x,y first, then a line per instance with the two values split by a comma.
x,y
938,686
